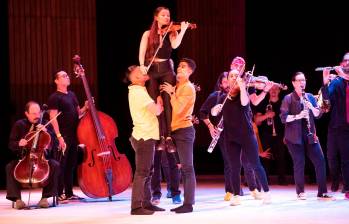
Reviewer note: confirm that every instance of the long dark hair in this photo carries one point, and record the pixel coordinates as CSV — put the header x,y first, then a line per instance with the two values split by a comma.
x,y
153,39
219,81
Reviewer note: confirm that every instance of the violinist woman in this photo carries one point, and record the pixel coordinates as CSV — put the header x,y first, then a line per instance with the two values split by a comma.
x,y
238,131
155,48
17,143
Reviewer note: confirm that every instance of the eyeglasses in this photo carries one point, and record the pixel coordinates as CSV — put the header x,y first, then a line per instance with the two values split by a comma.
x,y
300,80
63,76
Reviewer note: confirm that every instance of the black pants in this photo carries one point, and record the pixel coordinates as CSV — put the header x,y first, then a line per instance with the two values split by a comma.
x,y
14,187
159,73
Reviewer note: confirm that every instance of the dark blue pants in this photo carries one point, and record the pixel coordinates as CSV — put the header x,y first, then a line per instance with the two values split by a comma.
x,y
170,171
144,156
184,140
249,147
316,156
338,148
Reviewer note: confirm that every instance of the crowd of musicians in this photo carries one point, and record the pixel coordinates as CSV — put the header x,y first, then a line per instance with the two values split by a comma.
x,y
245,115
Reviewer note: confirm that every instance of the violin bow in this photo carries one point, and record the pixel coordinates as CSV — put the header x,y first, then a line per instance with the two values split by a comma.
x,y
40,129
156,52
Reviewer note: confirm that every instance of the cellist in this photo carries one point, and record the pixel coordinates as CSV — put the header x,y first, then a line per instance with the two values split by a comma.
x,y
16,144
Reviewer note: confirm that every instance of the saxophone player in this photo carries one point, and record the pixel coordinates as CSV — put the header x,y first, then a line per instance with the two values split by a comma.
x,y
297,113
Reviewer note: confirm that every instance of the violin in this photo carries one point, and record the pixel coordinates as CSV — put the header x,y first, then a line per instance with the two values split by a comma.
x,y
175,26
259,82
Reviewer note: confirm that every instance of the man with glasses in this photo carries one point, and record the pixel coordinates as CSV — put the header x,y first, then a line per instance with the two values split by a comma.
x,y
297,112
337,91
65,127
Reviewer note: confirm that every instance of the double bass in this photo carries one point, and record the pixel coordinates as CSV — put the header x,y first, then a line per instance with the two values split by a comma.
x,y
33,170
103,172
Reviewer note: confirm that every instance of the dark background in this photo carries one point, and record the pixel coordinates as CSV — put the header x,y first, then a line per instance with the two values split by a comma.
x,y
279,38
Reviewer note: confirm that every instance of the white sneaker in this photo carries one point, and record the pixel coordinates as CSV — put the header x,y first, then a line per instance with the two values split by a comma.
x,y
301,196
266,198
236,200
256,194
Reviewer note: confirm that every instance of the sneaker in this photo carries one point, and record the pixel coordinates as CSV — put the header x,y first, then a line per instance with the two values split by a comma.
x,y
266,198
155,201
171,147
325,197
141,211
301,196
43,203
154,208
74,197
236,200
19,204
186,208
256,194
176,199
161,144
227,196
346,195
169,194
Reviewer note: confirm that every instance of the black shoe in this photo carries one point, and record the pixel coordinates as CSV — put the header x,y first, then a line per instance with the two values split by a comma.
x,y
141,211
170,145
161,144
154,208
186,208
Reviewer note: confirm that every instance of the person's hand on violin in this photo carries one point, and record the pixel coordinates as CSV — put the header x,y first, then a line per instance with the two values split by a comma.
x,y
184,26
268,86
241,82
22,142
168,88
143,69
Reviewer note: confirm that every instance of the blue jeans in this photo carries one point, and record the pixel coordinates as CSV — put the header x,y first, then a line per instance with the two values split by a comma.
x,y
144,156
184,140
316,156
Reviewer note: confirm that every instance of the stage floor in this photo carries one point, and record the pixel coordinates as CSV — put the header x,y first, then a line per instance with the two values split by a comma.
x,y
209,208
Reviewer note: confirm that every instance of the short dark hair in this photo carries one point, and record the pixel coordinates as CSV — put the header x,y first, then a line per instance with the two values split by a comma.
x,y
55,74
190,62
295,74
128,72
219,80
29,104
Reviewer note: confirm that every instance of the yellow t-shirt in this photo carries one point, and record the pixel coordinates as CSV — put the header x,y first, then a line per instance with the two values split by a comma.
x,y
183,106
145,124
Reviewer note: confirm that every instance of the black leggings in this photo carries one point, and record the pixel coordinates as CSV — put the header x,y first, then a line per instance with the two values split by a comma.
x,y
160,72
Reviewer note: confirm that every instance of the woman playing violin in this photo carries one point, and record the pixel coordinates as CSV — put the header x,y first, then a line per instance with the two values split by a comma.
x,y
155,50
17,143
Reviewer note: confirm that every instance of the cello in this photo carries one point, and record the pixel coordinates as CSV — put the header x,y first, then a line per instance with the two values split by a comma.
x,y
33,170
103,172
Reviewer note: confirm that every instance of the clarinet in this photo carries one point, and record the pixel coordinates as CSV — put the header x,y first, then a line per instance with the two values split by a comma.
x,y
312,139
215,139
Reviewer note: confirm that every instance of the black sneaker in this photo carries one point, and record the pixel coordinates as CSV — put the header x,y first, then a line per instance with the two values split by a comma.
x,y
325,197
141,211
74,197
170,145
154,208
186,208
161,144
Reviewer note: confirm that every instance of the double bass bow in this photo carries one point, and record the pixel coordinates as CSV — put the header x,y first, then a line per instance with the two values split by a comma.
x,y
103,172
